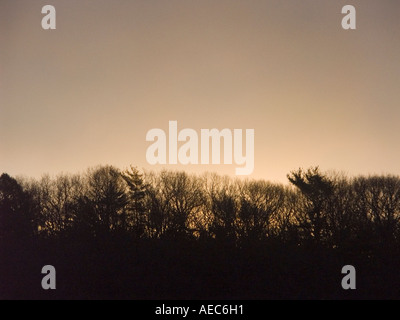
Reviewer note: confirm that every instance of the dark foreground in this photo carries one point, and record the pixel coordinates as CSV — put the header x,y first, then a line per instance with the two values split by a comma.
x,y
123,268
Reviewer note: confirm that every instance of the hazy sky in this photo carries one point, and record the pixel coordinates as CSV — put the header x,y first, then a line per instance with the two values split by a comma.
x,y
88,92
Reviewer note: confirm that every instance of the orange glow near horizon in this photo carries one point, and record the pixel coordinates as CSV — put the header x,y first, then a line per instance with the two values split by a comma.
x,y
88,92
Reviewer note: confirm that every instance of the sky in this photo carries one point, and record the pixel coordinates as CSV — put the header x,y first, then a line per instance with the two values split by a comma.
x,y
87,93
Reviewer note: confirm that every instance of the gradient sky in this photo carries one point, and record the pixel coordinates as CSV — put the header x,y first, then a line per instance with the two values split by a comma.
x,y
88,92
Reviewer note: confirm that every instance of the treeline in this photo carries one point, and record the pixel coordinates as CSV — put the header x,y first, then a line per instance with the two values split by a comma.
x,y
172,234
325,209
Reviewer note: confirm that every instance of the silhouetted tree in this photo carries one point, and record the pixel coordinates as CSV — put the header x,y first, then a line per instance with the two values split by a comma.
x,y
155,206
317,190
342,220
225,208
177,199
55,202
137,219
16,220
107,199
377,201
260,205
